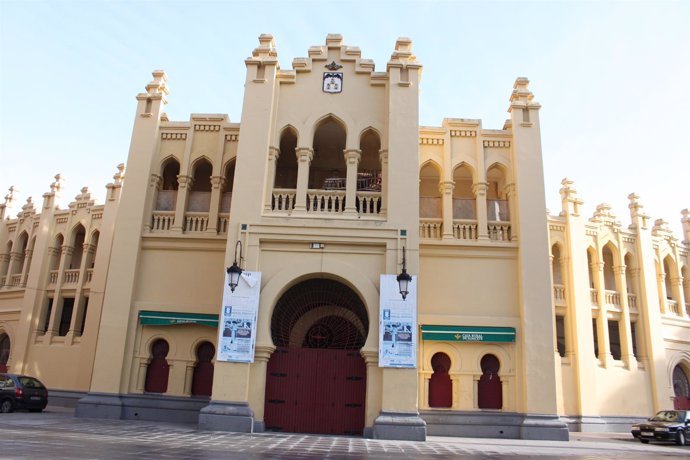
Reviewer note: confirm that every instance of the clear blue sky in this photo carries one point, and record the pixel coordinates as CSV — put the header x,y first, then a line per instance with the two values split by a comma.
x,y
613,80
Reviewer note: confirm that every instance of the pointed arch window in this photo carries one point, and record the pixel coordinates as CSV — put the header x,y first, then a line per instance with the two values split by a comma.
x,y
167,195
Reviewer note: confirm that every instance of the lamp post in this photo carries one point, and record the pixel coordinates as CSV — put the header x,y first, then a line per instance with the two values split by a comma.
x,y
404,278
235,270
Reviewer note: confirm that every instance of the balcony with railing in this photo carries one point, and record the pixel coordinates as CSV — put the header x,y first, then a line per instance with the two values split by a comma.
x,y
71,277
559,295
672,308
594,296
612,298
465,223
162,220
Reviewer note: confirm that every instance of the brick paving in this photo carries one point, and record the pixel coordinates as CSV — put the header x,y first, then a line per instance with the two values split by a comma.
x,y
57,434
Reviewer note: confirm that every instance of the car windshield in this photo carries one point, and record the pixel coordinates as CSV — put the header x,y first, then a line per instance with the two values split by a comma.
x,y
29,382
668,416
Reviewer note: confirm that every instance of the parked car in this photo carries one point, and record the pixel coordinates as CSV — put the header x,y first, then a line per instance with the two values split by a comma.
x,y
22,392
667,425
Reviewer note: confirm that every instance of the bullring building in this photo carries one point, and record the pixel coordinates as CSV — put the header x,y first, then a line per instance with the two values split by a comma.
x,y
327,265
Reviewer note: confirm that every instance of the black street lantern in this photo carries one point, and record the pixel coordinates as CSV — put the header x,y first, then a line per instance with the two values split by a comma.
x,y
404,278
235,271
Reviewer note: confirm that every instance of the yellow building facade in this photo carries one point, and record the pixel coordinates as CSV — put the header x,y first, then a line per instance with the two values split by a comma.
x,y
524,325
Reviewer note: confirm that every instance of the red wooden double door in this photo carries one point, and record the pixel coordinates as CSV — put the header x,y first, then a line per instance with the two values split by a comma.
x,y
314,390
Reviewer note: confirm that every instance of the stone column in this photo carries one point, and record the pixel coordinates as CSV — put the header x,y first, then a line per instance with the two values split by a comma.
x,y
479,189
352,158
677,286
155,184
446,189
28,253
217,189
185,184
383,158
273,155
510,195
602,321
627,339
304,157
661,286
257,384
4,266
373,394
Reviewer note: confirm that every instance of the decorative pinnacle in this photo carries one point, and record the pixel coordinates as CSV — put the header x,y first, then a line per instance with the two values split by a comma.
x,y
521,91
56,186
120,174
266,47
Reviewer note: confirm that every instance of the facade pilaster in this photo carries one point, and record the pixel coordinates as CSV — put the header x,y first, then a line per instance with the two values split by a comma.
x,y
33,302
352,158
538,394
111,362
649,306
578,301
273,155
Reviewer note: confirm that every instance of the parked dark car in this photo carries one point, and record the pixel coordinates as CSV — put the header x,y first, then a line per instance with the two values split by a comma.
x,y
22,392
667,425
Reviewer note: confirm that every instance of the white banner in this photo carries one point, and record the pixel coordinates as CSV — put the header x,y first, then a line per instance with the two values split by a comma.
x,y
397,324
237,326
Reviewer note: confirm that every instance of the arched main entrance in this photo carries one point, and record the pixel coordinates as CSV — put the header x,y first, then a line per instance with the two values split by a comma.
x,y
316,377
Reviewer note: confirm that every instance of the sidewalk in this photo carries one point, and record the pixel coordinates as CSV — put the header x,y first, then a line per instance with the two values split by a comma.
x,y
56,433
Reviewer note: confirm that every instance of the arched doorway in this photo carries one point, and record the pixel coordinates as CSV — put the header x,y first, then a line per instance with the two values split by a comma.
x,y
440,384
490,394
316,378
681,389
4,351
158,368
202,379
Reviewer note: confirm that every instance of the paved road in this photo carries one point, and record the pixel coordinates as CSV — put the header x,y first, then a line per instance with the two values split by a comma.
x,y
56,434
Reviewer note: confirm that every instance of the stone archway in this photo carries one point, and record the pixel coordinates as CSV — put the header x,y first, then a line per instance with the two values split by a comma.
x,y
316,378
681,389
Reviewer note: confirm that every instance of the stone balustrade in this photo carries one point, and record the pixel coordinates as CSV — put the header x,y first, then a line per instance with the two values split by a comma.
x,y
499,231
88,275
52,279
465,229
326,201
283,199
223,221
71,277
368,202
559,295
612,298
162,220
632,301
431,229
195,222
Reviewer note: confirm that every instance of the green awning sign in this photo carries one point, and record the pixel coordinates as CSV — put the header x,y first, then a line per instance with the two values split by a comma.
x,y
159,318
468,333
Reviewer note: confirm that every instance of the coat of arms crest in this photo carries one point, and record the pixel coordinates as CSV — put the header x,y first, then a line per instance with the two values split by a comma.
x,y
333,81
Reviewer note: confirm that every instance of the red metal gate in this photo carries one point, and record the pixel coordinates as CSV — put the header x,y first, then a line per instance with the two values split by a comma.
x,y
313,390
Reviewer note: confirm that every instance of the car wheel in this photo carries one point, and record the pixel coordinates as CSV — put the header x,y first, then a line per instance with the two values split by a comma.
x,y
644,441
6,406
680,438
